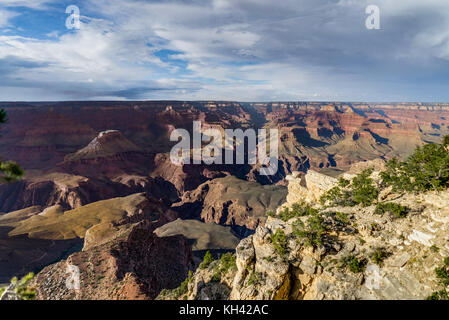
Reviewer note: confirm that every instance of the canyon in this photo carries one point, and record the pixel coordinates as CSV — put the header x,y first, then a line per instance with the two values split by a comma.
x,y
100,191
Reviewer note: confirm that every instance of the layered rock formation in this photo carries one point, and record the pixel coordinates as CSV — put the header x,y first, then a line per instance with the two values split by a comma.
x,y
109,155
231,202
313,135
121,259
72,191
33,238
134,265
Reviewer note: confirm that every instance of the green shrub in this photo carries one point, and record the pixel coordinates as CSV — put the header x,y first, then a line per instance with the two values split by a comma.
x,y
337,197
311,232
360,190
439,295
183,288
298,210
337,221
340,217
434,249
228,262
216,276
22,288
442,275
426,169
354,264
342,182
279,242
9,171
221,267
395,210
379,255
255,278
207,260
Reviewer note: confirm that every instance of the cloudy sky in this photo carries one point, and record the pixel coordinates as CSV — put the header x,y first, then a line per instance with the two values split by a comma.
x,y
245,50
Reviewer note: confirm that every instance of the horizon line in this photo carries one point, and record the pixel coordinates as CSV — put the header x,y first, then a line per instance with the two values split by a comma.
x,y
230,101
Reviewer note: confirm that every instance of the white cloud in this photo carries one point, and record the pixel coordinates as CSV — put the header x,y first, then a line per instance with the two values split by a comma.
x,y
35,4
243,50
5,17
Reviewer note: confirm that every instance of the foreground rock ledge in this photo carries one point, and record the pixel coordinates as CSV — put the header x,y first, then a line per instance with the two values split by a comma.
x,y
416,245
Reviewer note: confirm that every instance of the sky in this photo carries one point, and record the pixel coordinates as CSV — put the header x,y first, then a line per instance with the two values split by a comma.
x,y
239,50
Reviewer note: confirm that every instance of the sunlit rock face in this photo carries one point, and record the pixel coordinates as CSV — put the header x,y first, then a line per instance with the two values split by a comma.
x,y
416,245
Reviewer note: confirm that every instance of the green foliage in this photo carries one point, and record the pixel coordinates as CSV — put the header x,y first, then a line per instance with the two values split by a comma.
x,y
216,276
442,275
9,171
426,169
342,182
255,278
434,248
279,242
184,287
298,210
228,262
311,232
3,117
22,288
354,264
379,255
439,295
360,190
395,210
341,218
179,291
337,196
207,260
445,141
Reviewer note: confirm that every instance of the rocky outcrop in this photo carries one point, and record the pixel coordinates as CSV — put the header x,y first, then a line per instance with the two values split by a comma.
x,y
107,143
187,177
122,257
363,255
33,238
308,187
136,265
110,154
232,202
205,236
376,165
